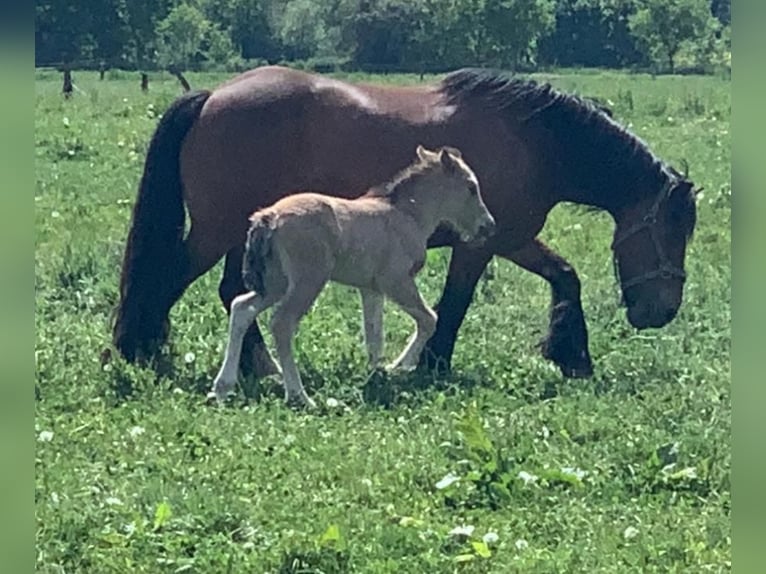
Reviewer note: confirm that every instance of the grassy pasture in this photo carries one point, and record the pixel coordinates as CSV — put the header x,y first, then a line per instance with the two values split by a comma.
x,y
503,467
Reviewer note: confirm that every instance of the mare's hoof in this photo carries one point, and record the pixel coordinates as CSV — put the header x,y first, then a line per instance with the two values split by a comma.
x,y
437,364
578,372
573,361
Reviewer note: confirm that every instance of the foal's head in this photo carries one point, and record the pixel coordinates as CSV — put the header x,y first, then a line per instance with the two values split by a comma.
x,y
456,188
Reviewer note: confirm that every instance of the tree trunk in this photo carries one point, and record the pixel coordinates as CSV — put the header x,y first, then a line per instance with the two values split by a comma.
x,y
177,73
68,86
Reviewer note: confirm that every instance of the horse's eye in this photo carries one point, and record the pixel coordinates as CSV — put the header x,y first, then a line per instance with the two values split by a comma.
x,y
472,189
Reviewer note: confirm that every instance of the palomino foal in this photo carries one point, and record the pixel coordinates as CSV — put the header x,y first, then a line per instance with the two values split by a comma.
x,y
376,243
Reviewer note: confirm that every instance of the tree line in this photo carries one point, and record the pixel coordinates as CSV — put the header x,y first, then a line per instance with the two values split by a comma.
x,y
384,35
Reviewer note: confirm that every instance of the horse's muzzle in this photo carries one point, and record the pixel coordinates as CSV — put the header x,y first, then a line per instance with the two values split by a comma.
x,y
650,316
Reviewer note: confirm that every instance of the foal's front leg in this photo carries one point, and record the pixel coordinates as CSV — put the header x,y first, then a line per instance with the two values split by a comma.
x,y
406,295
372,312
244,309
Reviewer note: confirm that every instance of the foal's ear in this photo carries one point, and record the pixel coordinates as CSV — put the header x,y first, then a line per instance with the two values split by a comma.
x,y
423,153
453,150
448,162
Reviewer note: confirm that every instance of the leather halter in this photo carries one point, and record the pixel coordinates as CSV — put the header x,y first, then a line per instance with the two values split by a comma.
x,y
665,269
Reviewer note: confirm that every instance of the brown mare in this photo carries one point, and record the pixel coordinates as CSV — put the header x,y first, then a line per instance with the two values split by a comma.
x,y
273,131
376,243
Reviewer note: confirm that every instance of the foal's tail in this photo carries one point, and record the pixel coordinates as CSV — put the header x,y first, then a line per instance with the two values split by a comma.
x,y
154,261
259,252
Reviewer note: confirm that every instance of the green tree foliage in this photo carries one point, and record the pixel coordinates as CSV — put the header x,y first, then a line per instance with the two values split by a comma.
x,y
385,34
180,36
415,35
511,29
592,33
62,31
721,9
664,27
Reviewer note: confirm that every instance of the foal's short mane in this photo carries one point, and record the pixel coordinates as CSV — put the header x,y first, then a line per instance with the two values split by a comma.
x,y
400,181
593,149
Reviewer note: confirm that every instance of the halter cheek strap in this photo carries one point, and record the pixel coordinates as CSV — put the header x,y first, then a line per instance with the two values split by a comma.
x,y
665,269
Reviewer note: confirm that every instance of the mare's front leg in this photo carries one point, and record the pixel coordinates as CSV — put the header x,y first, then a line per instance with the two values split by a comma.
x,y
256,359
372,313
567,341
466,267
405,294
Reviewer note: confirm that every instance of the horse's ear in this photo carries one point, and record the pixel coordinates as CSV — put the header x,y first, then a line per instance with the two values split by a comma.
x,y
453,150
423,153
448,162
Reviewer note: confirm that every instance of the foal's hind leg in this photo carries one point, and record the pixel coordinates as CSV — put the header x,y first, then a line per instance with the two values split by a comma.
x,y
244,310
372,312
567,340
284,324
256,358
306,277
405,294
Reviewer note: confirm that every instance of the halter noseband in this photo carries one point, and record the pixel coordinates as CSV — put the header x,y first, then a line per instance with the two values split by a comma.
x,y
665,269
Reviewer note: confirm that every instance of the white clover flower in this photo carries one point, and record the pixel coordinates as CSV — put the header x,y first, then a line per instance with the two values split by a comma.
x,y
45,436
462,531
630,533
490,538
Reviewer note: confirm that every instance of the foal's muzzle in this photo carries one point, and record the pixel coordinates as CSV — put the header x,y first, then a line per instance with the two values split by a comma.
x,y
486,229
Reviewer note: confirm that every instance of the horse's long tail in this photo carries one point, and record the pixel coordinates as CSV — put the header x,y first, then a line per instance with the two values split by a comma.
x,y
154,261
259,252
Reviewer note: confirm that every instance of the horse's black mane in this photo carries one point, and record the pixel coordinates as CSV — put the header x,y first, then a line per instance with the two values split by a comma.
x,y
592,147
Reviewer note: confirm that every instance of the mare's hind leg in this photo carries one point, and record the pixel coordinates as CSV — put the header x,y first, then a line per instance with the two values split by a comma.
x,y
567,341
465,268
406,295
256,358
372,313
244,309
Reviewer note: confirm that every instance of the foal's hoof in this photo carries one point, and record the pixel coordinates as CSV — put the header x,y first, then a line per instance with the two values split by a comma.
x,y
402,369
301,402
219,398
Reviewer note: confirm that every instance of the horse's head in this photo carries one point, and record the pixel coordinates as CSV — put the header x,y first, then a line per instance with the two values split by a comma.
x,y
649,250
459,199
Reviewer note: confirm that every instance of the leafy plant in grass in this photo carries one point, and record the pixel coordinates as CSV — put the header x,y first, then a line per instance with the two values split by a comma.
x,y
329,556
495,477
490,470
662,472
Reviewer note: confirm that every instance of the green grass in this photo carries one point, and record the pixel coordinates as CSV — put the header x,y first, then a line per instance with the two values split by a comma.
x,y
135,474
